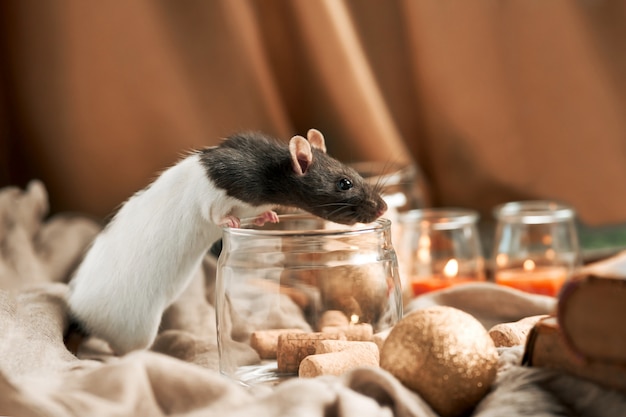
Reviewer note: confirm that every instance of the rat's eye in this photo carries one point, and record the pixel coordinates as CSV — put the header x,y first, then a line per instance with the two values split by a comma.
x,y
344,184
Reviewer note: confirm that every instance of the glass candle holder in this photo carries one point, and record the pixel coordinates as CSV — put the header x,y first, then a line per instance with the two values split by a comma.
x,y
438,248
536,246
287,276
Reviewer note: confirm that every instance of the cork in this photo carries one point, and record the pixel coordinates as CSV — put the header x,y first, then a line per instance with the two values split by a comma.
x,y
293,347
380,337
331,346
265,342
356,332
338,362
333,318
513,334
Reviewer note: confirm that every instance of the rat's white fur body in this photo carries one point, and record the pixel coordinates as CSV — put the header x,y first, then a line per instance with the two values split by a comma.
x,y
145,257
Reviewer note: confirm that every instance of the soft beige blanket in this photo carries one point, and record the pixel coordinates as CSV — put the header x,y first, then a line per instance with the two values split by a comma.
x,y
178,377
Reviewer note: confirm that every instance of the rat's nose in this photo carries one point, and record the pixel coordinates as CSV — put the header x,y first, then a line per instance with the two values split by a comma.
x,y
382,208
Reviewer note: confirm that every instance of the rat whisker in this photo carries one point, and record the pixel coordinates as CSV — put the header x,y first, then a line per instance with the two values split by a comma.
x,y
384,176
334,204
338,210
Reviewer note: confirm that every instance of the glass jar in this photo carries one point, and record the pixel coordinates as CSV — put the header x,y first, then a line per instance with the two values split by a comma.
x,y
287,275
438,248
535,246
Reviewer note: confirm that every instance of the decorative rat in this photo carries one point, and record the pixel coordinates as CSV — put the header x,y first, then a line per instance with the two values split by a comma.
x,y
145,257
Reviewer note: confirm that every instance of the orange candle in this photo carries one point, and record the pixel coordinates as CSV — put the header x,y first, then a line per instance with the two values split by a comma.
x,y
546,280
428,284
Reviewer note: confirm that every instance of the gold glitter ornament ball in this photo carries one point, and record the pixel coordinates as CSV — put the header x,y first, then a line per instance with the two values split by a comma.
x,y
443,354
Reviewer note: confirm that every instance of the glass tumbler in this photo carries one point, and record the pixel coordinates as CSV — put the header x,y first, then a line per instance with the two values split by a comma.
x,y
287,275
438,248
535,246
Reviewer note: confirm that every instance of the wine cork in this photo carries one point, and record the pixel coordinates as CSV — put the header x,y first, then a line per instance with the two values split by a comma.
x,y
293,347
380,337
333,318
513,334
339,362
331,346
265,342
355,332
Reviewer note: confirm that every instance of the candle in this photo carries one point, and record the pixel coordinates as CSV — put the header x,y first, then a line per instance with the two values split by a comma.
x,y
434,282
546,280
423,285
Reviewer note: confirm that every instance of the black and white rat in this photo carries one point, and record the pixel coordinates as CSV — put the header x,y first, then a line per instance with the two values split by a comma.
x,y
145,257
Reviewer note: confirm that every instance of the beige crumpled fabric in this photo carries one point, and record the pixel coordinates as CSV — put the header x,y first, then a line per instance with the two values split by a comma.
x,y
33,251
179,377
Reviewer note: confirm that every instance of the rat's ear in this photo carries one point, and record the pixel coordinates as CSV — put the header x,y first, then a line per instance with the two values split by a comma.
x,y
301,155
316,139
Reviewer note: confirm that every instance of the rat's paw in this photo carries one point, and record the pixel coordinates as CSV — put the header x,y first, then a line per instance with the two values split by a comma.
x,y
269,216
230,221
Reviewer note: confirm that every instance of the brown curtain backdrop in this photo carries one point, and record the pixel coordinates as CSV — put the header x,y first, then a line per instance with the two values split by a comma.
x,y
495,100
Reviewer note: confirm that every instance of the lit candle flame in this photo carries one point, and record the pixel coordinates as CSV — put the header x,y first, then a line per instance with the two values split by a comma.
x,y
451,269
354,319
529,265
502,259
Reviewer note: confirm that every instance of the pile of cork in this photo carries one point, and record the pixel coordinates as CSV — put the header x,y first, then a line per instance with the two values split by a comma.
x,y
337,347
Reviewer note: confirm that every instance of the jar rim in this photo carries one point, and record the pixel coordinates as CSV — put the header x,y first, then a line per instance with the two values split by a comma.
x,y
440,217
534,211
248,228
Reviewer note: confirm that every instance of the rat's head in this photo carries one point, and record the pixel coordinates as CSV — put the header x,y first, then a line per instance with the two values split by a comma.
x,y
329,189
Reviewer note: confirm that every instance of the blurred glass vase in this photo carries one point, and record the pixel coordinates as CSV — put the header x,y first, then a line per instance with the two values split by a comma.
x,y
402,185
